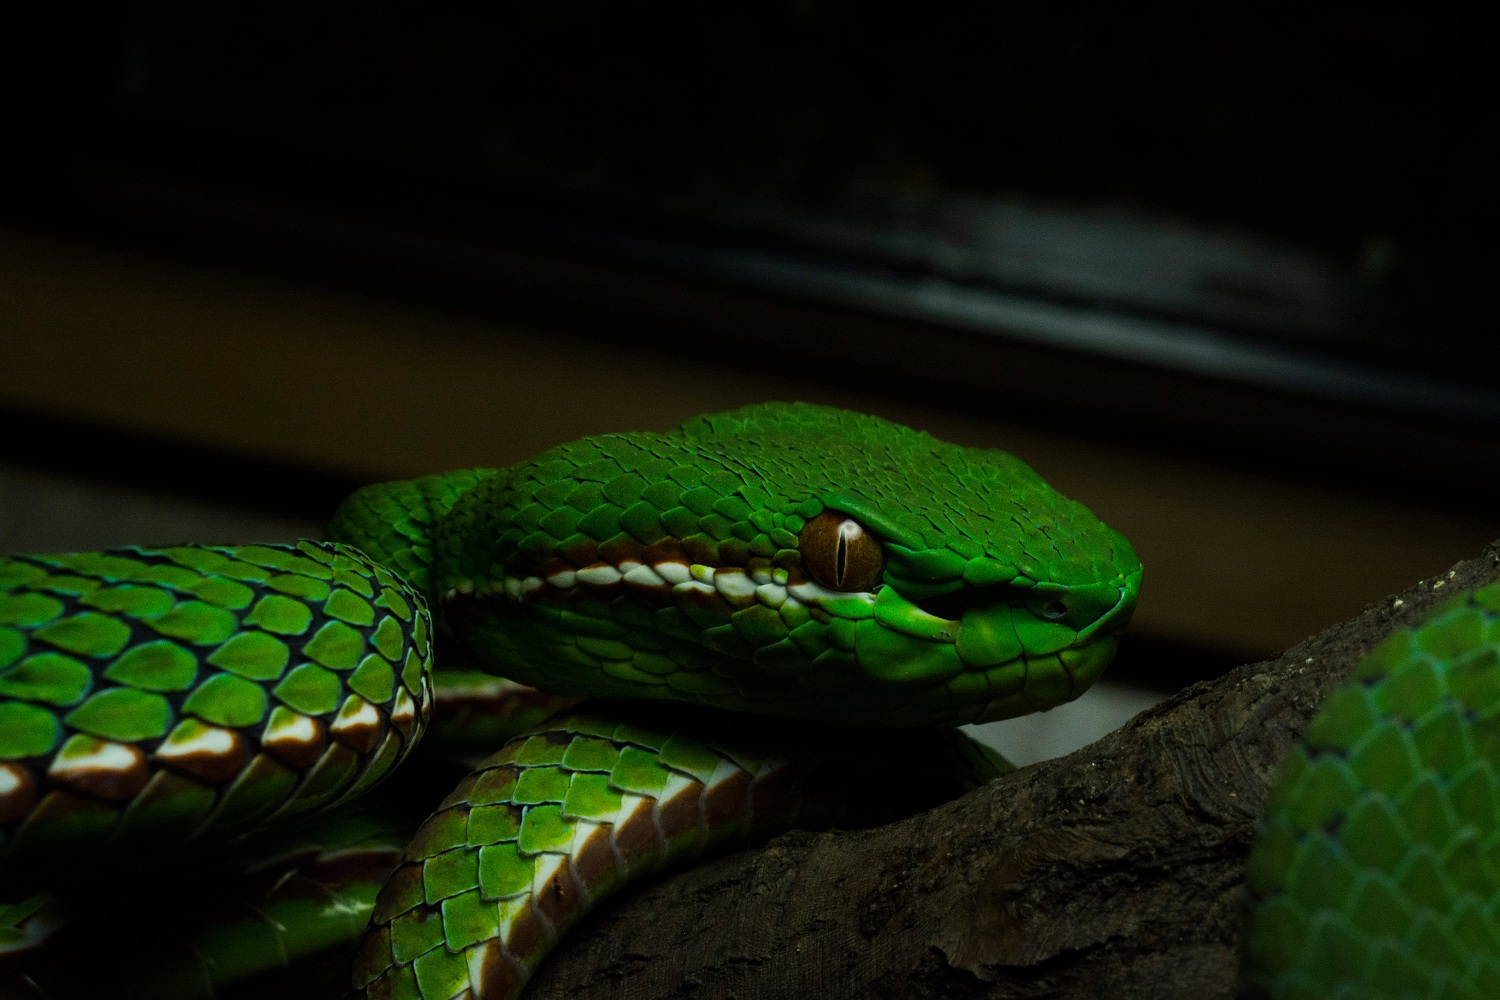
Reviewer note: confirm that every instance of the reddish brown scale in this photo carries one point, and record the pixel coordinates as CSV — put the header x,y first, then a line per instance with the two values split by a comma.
x,y
551,567
295,752
458,708
580,553
552,737
621,549
108,783
528,941
653,597
701,550
596,863
734,552
681,814
791,561
406,722
637,838
374,951
757,564
217,768
725,801
19,798
500,975
664,551
710,602
361,735
560,899
496,782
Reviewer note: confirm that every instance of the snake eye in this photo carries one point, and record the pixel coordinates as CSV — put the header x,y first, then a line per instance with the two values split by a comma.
x,y
1055,610
840,554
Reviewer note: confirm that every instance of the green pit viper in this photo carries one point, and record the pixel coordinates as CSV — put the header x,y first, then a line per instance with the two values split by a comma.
x,y
774,614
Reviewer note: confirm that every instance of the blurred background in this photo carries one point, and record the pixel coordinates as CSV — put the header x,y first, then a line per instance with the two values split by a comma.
x,y
1221,276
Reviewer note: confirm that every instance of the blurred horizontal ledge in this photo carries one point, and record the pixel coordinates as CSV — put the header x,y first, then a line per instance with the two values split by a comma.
x,y
1059,359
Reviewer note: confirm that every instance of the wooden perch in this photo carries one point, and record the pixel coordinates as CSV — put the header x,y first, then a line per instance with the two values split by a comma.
x,y
1114,871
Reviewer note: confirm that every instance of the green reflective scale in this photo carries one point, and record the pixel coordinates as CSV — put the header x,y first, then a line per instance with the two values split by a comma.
x,y
151,697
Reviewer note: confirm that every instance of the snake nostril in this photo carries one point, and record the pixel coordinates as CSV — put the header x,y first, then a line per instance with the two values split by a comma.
x,y
949,607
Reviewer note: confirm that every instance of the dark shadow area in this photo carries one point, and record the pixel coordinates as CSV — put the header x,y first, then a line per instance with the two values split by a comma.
x,y
1271,224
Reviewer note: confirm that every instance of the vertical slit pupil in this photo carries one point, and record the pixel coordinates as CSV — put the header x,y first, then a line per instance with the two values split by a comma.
x,y
841,553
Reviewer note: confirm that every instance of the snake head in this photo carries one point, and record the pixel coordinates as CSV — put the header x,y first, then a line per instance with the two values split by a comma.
x,y
791,560
972,635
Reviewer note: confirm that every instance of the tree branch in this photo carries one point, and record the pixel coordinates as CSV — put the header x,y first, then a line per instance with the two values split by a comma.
x,y
1114,871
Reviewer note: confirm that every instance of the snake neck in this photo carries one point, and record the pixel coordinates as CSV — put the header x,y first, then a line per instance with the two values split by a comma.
x,y
394,523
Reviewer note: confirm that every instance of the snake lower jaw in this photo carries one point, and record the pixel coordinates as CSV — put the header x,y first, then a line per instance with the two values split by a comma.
x,y
1049,681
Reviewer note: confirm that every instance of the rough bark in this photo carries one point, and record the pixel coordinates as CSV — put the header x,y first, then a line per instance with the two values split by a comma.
x,y
1115,871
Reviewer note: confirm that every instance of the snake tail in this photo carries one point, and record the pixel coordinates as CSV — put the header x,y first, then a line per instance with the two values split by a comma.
x,y
563,818
1376,873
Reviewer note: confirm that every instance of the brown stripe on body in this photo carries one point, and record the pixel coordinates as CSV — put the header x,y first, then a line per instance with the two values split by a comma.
x,y
621,549
727,801
682,814
112,772
668,550
404,718
297,747
637,840
17,792
596,865
579,552
704,600
649,595
561,900
361,729
500,973
200,758
529,938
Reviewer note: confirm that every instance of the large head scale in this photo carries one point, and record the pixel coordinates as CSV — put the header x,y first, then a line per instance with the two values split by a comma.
x,y
792,560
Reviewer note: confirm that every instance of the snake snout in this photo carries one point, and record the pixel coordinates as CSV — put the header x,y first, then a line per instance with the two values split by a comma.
x,y
1102,609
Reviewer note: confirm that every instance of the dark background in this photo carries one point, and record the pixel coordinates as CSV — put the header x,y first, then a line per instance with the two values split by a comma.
x,y
1224,276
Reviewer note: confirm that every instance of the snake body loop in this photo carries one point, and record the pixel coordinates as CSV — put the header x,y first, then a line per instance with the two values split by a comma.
x,y
818,571
1376,873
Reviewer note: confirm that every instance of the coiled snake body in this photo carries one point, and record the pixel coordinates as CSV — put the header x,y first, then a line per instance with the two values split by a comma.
x,y
749,602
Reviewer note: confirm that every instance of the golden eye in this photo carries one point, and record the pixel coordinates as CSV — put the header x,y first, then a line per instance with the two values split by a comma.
x,y
839,553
